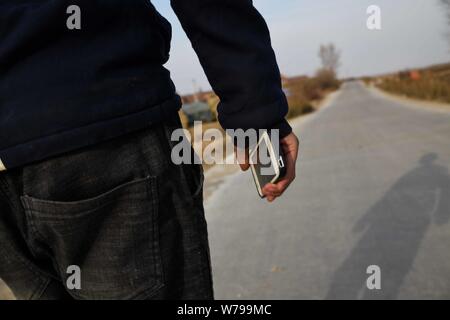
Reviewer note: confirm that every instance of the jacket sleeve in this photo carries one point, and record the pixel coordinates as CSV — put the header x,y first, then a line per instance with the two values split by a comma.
x,y
233,44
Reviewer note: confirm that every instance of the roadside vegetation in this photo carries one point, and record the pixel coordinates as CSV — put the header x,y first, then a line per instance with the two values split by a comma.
x,y
303,93
431,84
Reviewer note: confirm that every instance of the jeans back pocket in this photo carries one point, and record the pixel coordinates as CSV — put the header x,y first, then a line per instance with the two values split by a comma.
x,y
113,238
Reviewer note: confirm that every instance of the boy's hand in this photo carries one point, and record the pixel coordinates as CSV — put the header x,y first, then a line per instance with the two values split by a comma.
x,y
289,147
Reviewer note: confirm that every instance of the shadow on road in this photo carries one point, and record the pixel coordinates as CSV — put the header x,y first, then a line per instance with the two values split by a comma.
x,y
392,231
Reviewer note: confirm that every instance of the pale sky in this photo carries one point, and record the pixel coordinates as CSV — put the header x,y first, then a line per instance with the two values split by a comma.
x,y
414,33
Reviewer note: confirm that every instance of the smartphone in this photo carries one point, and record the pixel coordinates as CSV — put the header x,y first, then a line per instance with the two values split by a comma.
x,y
267,165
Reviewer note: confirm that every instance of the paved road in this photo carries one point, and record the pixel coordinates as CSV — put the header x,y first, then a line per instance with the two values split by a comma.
x,y
373,188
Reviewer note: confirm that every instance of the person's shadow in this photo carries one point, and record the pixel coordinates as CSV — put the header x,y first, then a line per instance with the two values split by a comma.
x,y
392,231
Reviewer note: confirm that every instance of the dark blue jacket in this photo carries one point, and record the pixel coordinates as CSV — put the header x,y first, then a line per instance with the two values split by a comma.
x,y
62,89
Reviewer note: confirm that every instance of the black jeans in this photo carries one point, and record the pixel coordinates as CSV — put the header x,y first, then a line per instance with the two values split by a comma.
x,y
131,220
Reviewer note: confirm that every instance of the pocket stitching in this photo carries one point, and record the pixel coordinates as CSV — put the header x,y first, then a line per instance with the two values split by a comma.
x,y
85,201
151,192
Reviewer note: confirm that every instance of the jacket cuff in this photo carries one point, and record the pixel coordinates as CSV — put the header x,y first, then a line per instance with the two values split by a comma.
x,y
283,127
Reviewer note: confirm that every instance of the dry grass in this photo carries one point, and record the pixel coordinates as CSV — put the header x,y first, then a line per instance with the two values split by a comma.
x,y
431,84
304,93
427,88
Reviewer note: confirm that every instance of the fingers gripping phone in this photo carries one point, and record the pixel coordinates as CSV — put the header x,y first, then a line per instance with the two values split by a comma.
x,y
267,165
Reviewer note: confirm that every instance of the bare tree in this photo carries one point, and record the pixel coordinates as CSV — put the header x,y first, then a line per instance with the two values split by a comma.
x,y
330,57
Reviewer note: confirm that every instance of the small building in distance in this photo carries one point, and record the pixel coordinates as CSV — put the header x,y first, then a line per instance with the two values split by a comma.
x,y
202,96
202,105
197,111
